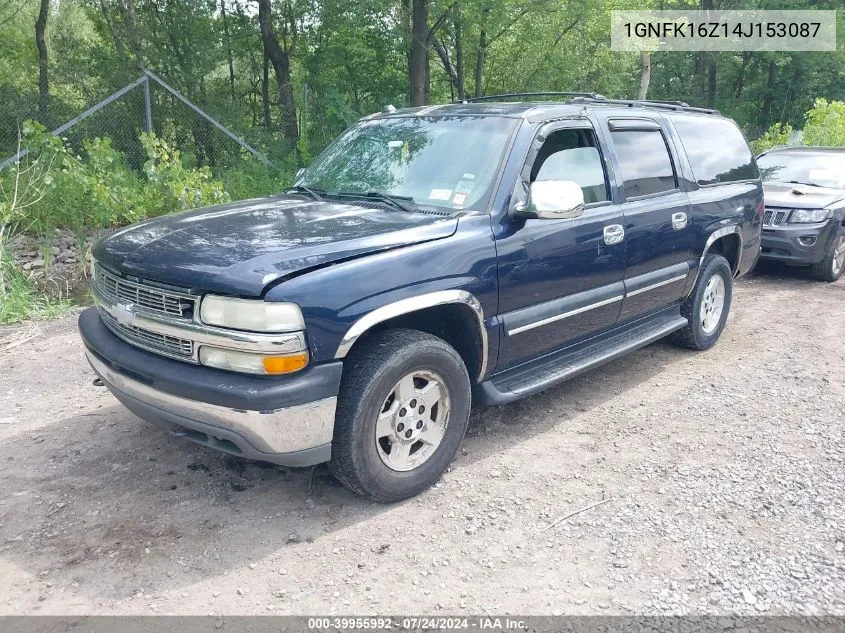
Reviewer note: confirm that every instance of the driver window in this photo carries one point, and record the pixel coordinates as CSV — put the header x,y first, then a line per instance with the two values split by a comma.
x,y
572,154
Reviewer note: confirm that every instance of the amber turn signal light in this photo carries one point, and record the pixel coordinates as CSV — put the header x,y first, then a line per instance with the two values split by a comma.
x,y
285,364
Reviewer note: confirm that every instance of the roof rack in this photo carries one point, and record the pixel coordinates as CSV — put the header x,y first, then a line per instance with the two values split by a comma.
x,y
647,103
592,97
513,95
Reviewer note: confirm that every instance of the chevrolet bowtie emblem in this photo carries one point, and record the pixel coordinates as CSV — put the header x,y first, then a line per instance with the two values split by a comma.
x,y
123,314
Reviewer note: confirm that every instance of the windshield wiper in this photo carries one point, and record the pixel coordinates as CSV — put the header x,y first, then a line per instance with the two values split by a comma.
x,y
397,202
314,193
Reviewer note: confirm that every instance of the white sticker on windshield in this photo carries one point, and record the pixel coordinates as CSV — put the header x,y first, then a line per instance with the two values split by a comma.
x,y
440,194
395,144
469,176
459,199
464,186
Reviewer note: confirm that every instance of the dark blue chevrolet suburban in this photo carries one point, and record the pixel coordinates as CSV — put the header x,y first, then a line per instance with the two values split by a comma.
x,y
430,258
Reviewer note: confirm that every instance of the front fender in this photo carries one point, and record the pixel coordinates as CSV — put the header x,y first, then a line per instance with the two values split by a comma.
x,y
337,301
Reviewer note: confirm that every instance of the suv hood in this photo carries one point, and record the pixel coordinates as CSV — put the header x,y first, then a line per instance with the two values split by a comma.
x,y
239,248
794,196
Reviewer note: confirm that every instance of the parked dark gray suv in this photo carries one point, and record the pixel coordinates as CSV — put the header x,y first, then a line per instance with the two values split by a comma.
x,y
804,221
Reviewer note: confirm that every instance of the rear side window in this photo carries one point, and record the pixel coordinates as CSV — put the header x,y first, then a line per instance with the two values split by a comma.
x,y
716,149
644,162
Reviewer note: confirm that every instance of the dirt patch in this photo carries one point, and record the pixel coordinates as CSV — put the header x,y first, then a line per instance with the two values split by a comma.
x,y
724,472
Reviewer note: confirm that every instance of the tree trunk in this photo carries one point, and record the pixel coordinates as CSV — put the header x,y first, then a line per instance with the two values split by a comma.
x,y
119,48
419,52
459,54
265,90
769,96
646,77
128,7
711,83
43,86
280,59
448,66
740,80
481,53
228,48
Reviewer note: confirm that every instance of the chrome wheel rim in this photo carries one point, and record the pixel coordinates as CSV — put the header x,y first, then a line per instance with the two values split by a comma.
x,y
839,256
712,304
412,420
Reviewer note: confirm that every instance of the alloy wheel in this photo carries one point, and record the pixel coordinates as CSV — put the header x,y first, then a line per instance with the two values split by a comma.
x,y
712,304
838,256
413,420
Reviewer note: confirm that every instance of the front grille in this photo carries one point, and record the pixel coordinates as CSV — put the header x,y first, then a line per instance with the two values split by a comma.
x,y
775,217
163,344
114,290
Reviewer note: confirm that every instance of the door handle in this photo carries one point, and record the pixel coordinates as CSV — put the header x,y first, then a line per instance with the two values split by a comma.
x,y
614,234
679,221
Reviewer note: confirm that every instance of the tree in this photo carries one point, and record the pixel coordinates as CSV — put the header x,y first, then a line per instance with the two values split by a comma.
x,y
645,79
418,67
40,42
280,58
825,124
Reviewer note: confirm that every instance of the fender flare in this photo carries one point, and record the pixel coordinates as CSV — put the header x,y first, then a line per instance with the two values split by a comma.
x,y
718,234
414,304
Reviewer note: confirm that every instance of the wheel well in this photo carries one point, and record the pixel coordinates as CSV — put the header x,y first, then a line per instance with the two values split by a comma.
x,y
728,247
454,323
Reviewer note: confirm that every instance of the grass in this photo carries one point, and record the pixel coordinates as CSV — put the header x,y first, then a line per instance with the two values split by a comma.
x,y
20,300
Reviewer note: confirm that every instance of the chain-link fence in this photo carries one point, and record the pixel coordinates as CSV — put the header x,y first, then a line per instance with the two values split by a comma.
x,y
149,104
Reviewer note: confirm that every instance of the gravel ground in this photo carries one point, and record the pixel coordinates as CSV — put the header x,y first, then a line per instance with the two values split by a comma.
x,y
722,475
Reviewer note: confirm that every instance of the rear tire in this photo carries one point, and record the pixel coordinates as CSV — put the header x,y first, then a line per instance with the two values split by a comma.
x,y
830,268
707,306
403,409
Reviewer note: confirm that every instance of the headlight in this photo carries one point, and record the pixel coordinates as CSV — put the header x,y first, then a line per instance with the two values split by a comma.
x,y
807,216
253,315
251,363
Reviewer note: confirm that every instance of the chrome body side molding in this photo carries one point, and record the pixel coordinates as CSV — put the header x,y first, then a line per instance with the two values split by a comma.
x,y
659,284
413,304
564,315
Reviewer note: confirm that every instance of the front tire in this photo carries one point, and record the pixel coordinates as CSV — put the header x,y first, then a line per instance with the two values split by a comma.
x,y
403,409
830,268
707,306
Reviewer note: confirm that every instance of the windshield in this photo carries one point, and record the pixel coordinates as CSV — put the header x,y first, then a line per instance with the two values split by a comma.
x,y
434,161
823,169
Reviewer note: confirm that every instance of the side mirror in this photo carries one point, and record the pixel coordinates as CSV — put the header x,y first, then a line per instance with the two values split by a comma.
x,y
551,200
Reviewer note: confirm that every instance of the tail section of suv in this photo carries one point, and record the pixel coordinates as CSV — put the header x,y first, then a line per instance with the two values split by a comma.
x,y
431,258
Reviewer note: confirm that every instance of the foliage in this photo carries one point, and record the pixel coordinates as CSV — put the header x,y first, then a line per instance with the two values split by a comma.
x,y
252,178
346,59
173,186
825,124
98,189
19,300
777,134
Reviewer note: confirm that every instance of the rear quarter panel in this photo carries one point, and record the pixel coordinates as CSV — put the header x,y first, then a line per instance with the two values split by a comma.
x,y
720,206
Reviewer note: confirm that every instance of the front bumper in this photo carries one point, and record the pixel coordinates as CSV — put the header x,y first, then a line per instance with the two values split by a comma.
x,y
789,243
287,421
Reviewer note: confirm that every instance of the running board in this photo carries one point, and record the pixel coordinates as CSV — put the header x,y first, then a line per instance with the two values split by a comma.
x,y
556,367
